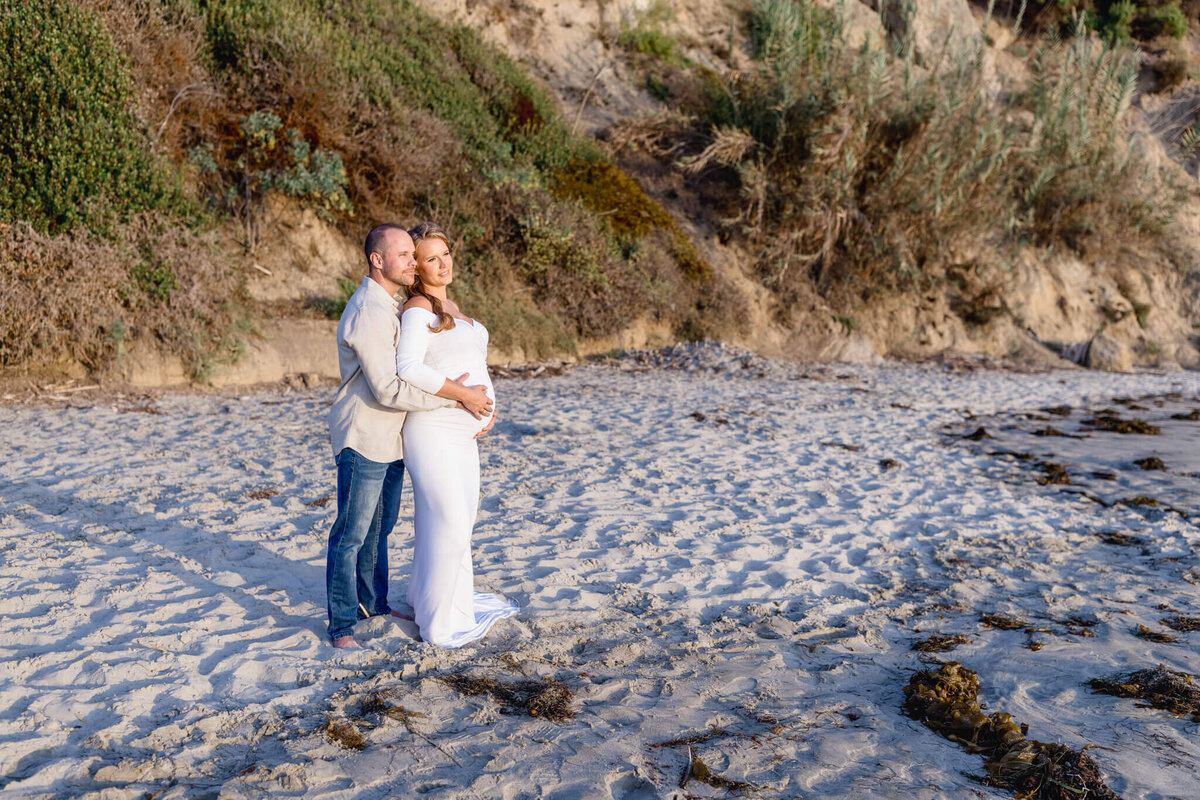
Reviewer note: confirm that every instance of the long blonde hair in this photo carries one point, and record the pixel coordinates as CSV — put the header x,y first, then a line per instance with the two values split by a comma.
x,y
421,232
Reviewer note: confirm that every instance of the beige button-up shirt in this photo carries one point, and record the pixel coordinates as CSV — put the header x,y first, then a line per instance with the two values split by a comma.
x,y
371,404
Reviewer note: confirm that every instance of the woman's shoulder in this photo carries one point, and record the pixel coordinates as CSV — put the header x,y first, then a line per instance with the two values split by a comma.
x,y
418,302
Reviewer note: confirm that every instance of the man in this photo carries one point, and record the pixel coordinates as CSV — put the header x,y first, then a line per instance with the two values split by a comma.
x,y
364,429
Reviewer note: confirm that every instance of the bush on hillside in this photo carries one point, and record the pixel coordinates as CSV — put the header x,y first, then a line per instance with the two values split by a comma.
x,y
374,106
863,173
257,160
433,123
71,152
82,297
1118,21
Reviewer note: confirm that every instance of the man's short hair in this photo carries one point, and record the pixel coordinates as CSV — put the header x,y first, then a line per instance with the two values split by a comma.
x,y
375,239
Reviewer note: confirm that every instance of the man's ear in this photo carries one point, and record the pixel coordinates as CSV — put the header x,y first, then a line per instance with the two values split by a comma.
x,y
375,261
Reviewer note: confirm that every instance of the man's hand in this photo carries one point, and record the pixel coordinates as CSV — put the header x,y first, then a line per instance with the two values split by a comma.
x,y
474,399
491,424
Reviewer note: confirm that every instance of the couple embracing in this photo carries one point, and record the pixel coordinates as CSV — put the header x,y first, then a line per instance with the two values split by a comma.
x,y
399,406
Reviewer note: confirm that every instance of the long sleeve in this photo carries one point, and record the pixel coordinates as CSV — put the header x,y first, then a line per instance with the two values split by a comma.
x,y
411,349
367,333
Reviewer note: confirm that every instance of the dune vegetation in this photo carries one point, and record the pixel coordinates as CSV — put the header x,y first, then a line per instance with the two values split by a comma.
x,y
141,142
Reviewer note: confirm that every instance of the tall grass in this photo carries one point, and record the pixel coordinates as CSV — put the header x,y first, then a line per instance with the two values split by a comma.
x,y
862,172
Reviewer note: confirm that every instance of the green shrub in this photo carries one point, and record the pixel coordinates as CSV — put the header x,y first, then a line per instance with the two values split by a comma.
x,y
605,189
332,307
1118,21
71,153
255,162
647,37
551,245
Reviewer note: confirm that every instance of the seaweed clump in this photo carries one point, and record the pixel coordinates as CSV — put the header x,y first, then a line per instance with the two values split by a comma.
x,y
1150,462
1114,424
1182,624
697,770
946,701
1050,430
1002,622
545,698
1159,687
1053,474
939,644
1149,635
345,734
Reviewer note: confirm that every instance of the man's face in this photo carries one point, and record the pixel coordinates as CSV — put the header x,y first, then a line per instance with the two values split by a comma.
x,y
396,261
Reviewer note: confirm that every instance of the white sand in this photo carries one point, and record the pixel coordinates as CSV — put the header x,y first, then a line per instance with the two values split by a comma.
x,y
164,633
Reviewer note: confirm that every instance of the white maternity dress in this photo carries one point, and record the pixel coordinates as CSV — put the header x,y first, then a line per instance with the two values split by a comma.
x,y
443,461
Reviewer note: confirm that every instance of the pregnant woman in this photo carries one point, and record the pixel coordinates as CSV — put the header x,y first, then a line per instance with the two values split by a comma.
x,y
437,342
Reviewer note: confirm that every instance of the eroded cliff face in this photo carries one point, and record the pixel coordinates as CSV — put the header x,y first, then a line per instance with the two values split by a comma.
x,y
1034,307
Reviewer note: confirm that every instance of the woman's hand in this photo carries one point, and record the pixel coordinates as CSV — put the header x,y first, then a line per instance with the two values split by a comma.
x,y
472,399
488,427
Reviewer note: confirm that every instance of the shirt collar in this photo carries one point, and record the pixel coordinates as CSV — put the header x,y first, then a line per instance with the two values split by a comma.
x,y
378,294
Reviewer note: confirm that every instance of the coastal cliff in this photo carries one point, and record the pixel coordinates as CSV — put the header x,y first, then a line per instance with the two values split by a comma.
x,y
819,181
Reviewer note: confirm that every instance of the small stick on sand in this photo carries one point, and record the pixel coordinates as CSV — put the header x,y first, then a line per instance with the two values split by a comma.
x,y
687,771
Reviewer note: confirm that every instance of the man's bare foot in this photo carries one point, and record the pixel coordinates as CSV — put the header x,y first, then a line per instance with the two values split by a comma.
x,y
399,615
346,643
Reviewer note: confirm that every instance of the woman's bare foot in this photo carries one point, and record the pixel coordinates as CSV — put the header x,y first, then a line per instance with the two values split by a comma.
x,y
346,643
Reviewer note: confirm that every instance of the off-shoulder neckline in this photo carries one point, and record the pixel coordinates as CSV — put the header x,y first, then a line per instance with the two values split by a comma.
x,y
472,322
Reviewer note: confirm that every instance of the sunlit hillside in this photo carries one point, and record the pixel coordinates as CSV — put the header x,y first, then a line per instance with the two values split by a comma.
x,y
813,179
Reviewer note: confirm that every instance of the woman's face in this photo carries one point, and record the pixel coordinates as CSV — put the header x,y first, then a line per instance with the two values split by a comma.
x,y
435,265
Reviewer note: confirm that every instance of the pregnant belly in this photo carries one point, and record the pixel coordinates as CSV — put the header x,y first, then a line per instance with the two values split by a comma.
x,y
453,420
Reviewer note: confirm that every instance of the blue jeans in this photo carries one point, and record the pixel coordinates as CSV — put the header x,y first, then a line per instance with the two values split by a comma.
x,y
356,564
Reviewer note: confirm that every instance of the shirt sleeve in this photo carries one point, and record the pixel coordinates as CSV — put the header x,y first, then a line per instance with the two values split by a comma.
x,y
369,334
410,351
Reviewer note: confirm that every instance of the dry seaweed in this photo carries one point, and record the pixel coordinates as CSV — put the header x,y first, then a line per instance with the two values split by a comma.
x,y
1143,632
1053,473
1141,500
1191,416
543,697
697,770
376,703
853,448
1002,622
978,434
345,734
1120,539
888,463
1017,456
1114,424
1050,430
1181,623
1058,411
696,738
262,494
1159,687
320,502
1150,462
946,701
939,644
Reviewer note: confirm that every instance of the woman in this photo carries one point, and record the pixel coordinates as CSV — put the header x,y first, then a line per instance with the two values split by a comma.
x,y
437,341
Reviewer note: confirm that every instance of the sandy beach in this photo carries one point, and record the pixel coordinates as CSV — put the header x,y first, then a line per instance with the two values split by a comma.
x,y
705,545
